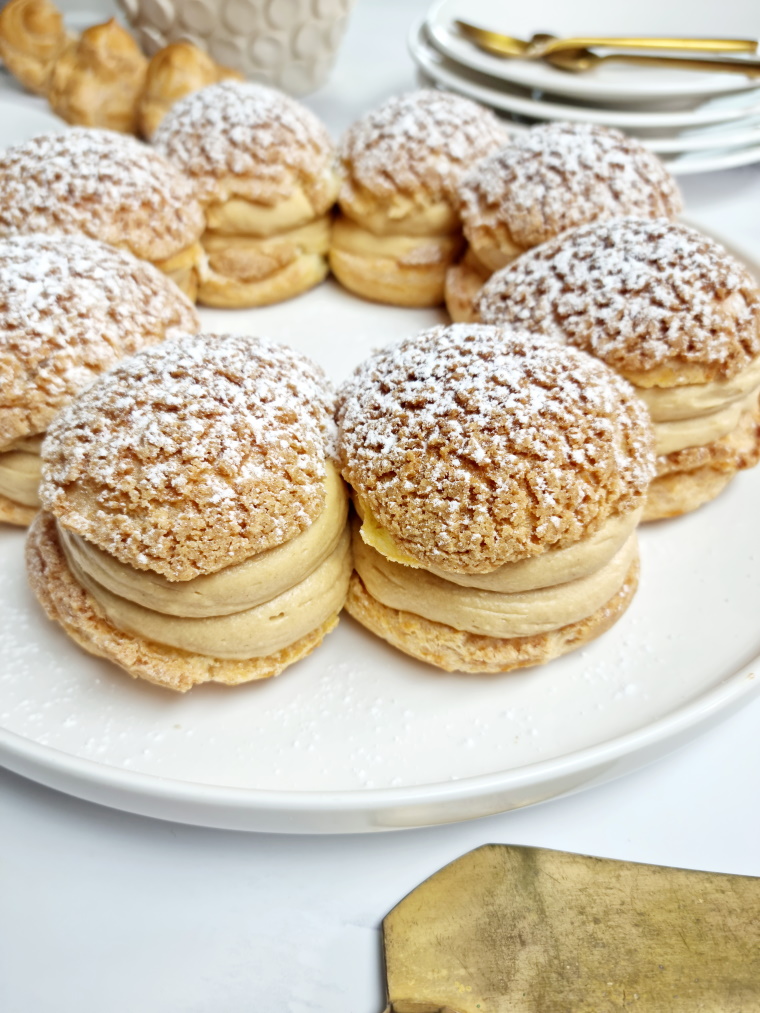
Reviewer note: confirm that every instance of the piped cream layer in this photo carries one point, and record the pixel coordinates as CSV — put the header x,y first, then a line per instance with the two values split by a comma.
x,y
20,471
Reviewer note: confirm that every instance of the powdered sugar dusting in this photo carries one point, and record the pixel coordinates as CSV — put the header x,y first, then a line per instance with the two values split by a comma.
x,y
560,175
70,308
477,445
246,139
193,455
102,184
637,294
419,140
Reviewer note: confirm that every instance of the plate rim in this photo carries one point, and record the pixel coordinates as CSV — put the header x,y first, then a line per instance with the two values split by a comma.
x,y
579,87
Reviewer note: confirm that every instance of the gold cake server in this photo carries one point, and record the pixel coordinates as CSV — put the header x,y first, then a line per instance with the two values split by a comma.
x,y
526,930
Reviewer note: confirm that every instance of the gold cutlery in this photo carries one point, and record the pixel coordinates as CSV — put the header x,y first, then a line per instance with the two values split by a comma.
x,y
543,44
577,61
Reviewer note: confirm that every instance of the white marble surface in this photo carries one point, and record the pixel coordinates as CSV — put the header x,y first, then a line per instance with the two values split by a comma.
x,y
104,911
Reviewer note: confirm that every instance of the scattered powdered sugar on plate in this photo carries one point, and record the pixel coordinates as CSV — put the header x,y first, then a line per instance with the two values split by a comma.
x,y
475,445
193,455
637,294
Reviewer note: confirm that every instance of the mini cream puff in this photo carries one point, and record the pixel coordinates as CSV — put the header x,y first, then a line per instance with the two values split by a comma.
x,y
70,309
32,37
674,314
499,480
262,165
398,229
193,525
554,177
108,186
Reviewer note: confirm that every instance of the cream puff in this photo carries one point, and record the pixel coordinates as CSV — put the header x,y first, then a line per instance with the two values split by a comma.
x,y
674,314
499,480
263,166
398,229
70,309
32,37
553,178
193,524
108,186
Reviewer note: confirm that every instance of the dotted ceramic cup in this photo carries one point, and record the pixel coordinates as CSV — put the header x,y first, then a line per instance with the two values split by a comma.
x,y
291,44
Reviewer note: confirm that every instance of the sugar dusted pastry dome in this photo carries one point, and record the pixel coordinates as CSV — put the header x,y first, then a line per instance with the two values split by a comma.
x,y
193,455
474,446
414,146
102,184
247,140
641,295
70,308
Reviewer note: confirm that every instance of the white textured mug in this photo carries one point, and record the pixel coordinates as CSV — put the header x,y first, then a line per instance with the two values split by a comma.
x,y
291,44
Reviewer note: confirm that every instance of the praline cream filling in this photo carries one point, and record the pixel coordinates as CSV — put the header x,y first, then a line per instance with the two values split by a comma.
x,y
20,471
348,237
253,258
249,610
695,414
491,613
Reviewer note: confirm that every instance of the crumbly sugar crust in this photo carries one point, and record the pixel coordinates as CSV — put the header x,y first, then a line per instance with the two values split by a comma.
x,y
637,294
70,605
247,140
475,446
561,175
456,651
416,144
193,455
102,184
70,308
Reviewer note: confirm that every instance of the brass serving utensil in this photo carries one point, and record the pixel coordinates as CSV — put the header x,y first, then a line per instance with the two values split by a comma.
x,y
526,930
542,43
578,61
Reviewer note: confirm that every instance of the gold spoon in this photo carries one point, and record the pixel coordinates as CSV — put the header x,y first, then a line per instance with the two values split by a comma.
x,y
543,44
578,61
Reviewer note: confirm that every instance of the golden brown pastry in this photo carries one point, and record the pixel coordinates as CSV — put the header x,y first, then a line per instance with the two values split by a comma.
x,y
398,229
108,186
32,36
193,525
97,80
554,177
173,72
675,315
262,164
70,309
499,480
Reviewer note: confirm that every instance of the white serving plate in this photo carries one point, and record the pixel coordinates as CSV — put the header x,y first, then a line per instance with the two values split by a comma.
x,y
359,737
613,81
521,101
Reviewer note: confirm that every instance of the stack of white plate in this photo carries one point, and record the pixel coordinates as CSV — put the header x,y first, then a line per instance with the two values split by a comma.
x,y
696,121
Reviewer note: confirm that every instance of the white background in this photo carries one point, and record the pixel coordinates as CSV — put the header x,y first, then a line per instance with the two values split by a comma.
x,y
101,911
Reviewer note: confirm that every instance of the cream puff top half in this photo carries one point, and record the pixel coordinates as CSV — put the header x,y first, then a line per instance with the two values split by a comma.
x,y
100,184
193,455
475,446
558,176
239,139
400,163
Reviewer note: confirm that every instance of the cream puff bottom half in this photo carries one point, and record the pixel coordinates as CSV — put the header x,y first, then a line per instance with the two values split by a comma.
x,y
185,268
393,268
20,470
260,254
463,284
71,605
